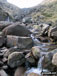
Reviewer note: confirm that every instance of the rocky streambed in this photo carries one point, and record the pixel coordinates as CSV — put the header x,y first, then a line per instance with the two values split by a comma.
x,y
27,52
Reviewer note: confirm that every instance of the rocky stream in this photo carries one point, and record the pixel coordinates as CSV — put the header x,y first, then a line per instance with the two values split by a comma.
x,y
28,50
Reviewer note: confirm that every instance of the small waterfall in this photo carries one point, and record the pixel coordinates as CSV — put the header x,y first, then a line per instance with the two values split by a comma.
x,y
39,68
8,19
40,62
36,41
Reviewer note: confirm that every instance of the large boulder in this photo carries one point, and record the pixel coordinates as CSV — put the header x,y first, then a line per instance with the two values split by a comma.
x,y
54,60
16,29
16,59
21,42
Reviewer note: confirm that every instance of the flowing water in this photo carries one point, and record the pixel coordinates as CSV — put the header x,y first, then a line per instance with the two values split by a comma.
x,y
39,68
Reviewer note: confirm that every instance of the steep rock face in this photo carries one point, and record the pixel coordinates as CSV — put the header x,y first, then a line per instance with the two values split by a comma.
x,y
9,11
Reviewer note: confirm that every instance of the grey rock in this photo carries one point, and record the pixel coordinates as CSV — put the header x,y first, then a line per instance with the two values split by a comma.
x,y
16,59
16,29
20,42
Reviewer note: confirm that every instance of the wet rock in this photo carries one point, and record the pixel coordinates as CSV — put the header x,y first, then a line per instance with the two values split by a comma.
x,y
54,60
4,24
53,33
36,52
20,71
15,59
29,57
3,73
48,57
16,29
33,74
21,42
47,62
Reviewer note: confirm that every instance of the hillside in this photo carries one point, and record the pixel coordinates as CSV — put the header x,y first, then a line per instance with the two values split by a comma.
x,y
45,12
